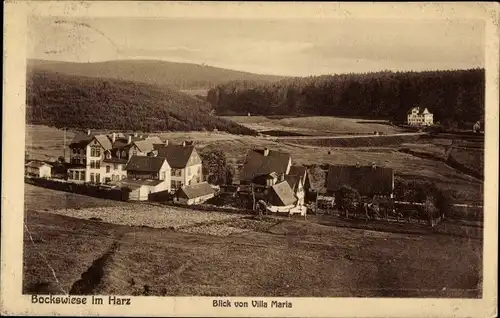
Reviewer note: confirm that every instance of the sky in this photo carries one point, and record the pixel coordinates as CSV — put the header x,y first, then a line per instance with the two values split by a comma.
x,y
290,47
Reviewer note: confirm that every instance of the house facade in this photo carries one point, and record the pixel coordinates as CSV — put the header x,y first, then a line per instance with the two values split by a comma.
x,y
38,169
418,116
101,158
185,164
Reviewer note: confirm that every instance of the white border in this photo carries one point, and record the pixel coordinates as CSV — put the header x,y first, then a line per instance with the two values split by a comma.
x,y
15,13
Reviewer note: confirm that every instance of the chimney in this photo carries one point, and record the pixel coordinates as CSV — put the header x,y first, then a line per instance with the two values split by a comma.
x,y
88,132
282,177
166,142
266,151
184,143
374,165
113,137
129,141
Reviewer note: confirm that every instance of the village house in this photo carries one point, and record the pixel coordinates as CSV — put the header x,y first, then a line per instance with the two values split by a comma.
x,y
265,167
369,181
418,116
303,174
194,194
38,169
101,158
185,164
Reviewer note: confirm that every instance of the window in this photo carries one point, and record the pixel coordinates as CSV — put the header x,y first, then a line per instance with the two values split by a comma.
x,y
172,173
92,177
97,152
134,152
70,174
107,180
115,166
97,178
163,175
98,164
74,150
179,172
172,184
92,152
124,154
108,169
92,164
82,175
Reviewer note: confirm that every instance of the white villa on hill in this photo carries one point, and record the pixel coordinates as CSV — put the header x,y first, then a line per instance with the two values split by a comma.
x,y
420,117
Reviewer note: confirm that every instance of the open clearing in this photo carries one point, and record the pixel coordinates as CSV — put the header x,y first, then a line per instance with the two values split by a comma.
x,y
315,125
272,258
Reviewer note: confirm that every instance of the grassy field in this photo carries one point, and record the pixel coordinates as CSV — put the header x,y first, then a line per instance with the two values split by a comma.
x,y
284,258
316,125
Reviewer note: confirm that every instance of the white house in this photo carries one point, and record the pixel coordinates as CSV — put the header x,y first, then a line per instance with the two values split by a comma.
x,y
38,169
420,117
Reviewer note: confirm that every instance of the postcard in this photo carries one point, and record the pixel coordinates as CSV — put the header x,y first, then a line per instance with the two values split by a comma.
x,y
250,159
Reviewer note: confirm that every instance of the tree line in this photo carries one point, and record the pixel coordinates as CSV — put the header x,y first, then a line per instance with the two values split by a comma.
x,y
453,96
60,100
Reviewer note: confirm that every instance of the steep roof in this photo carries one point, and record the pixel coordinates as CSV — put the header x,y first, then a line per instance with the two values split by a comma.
x,y
195,190
284,193
144,145
104,141
293,181
81,139
37,164
367,180
297,171
177,155
256,164
145,163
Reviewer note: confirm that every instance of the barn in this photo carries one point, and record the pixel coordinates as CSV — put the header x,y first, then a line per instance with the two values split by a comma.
x,y
195,193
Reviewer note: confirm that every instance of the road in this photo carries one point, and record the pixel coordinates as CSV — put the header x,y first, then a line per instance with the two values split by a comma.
x,y
341,136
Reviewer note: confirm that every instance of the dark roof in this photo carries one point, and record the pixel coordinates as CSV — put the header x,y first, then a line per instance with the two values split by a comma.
x,y
195,190
293,181
284,193
367,180
81,139
256,164
37,164
115,160
145,163
177,156
297,171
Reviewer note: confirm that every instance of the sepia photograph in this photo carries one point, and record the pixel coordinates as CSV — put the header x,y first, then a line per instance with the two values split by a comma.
x,y
253,157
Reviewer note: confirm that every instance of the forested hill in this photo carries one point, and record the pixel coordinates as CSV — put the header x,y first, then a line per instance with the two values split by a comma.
x,y
450,95
60,100
181,76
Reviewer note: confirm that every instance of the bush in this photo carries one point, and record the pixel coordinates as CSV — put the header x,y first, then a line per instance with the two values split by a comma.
x,y
347,199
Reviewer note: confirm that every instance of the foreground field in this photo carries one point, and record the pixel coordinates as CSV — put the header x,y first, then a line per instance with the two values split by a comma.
x,y
267,258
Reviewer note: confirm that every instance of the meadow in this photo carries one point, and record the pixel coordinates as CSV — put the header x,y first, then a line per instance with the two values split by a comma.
x,y
316,125
287,257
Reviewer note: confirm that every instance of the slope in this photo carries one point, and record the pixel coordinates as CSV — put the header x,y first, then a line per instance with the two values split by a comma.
x,y
183,76
61,100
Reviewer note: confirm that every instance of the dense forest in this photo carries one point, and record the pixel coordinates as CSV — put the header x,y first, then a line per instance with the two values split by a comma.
x,y
181,76
60,100
453,96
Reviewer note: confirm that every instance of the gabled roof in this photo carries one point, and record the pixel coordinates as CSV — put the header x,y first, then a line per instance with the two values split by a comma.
x,y
154,139
177,155
420,110
195,190
367,180
293,181
37,164
104,141
145,164
256,164
298,171
81,139
144,145
284,193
